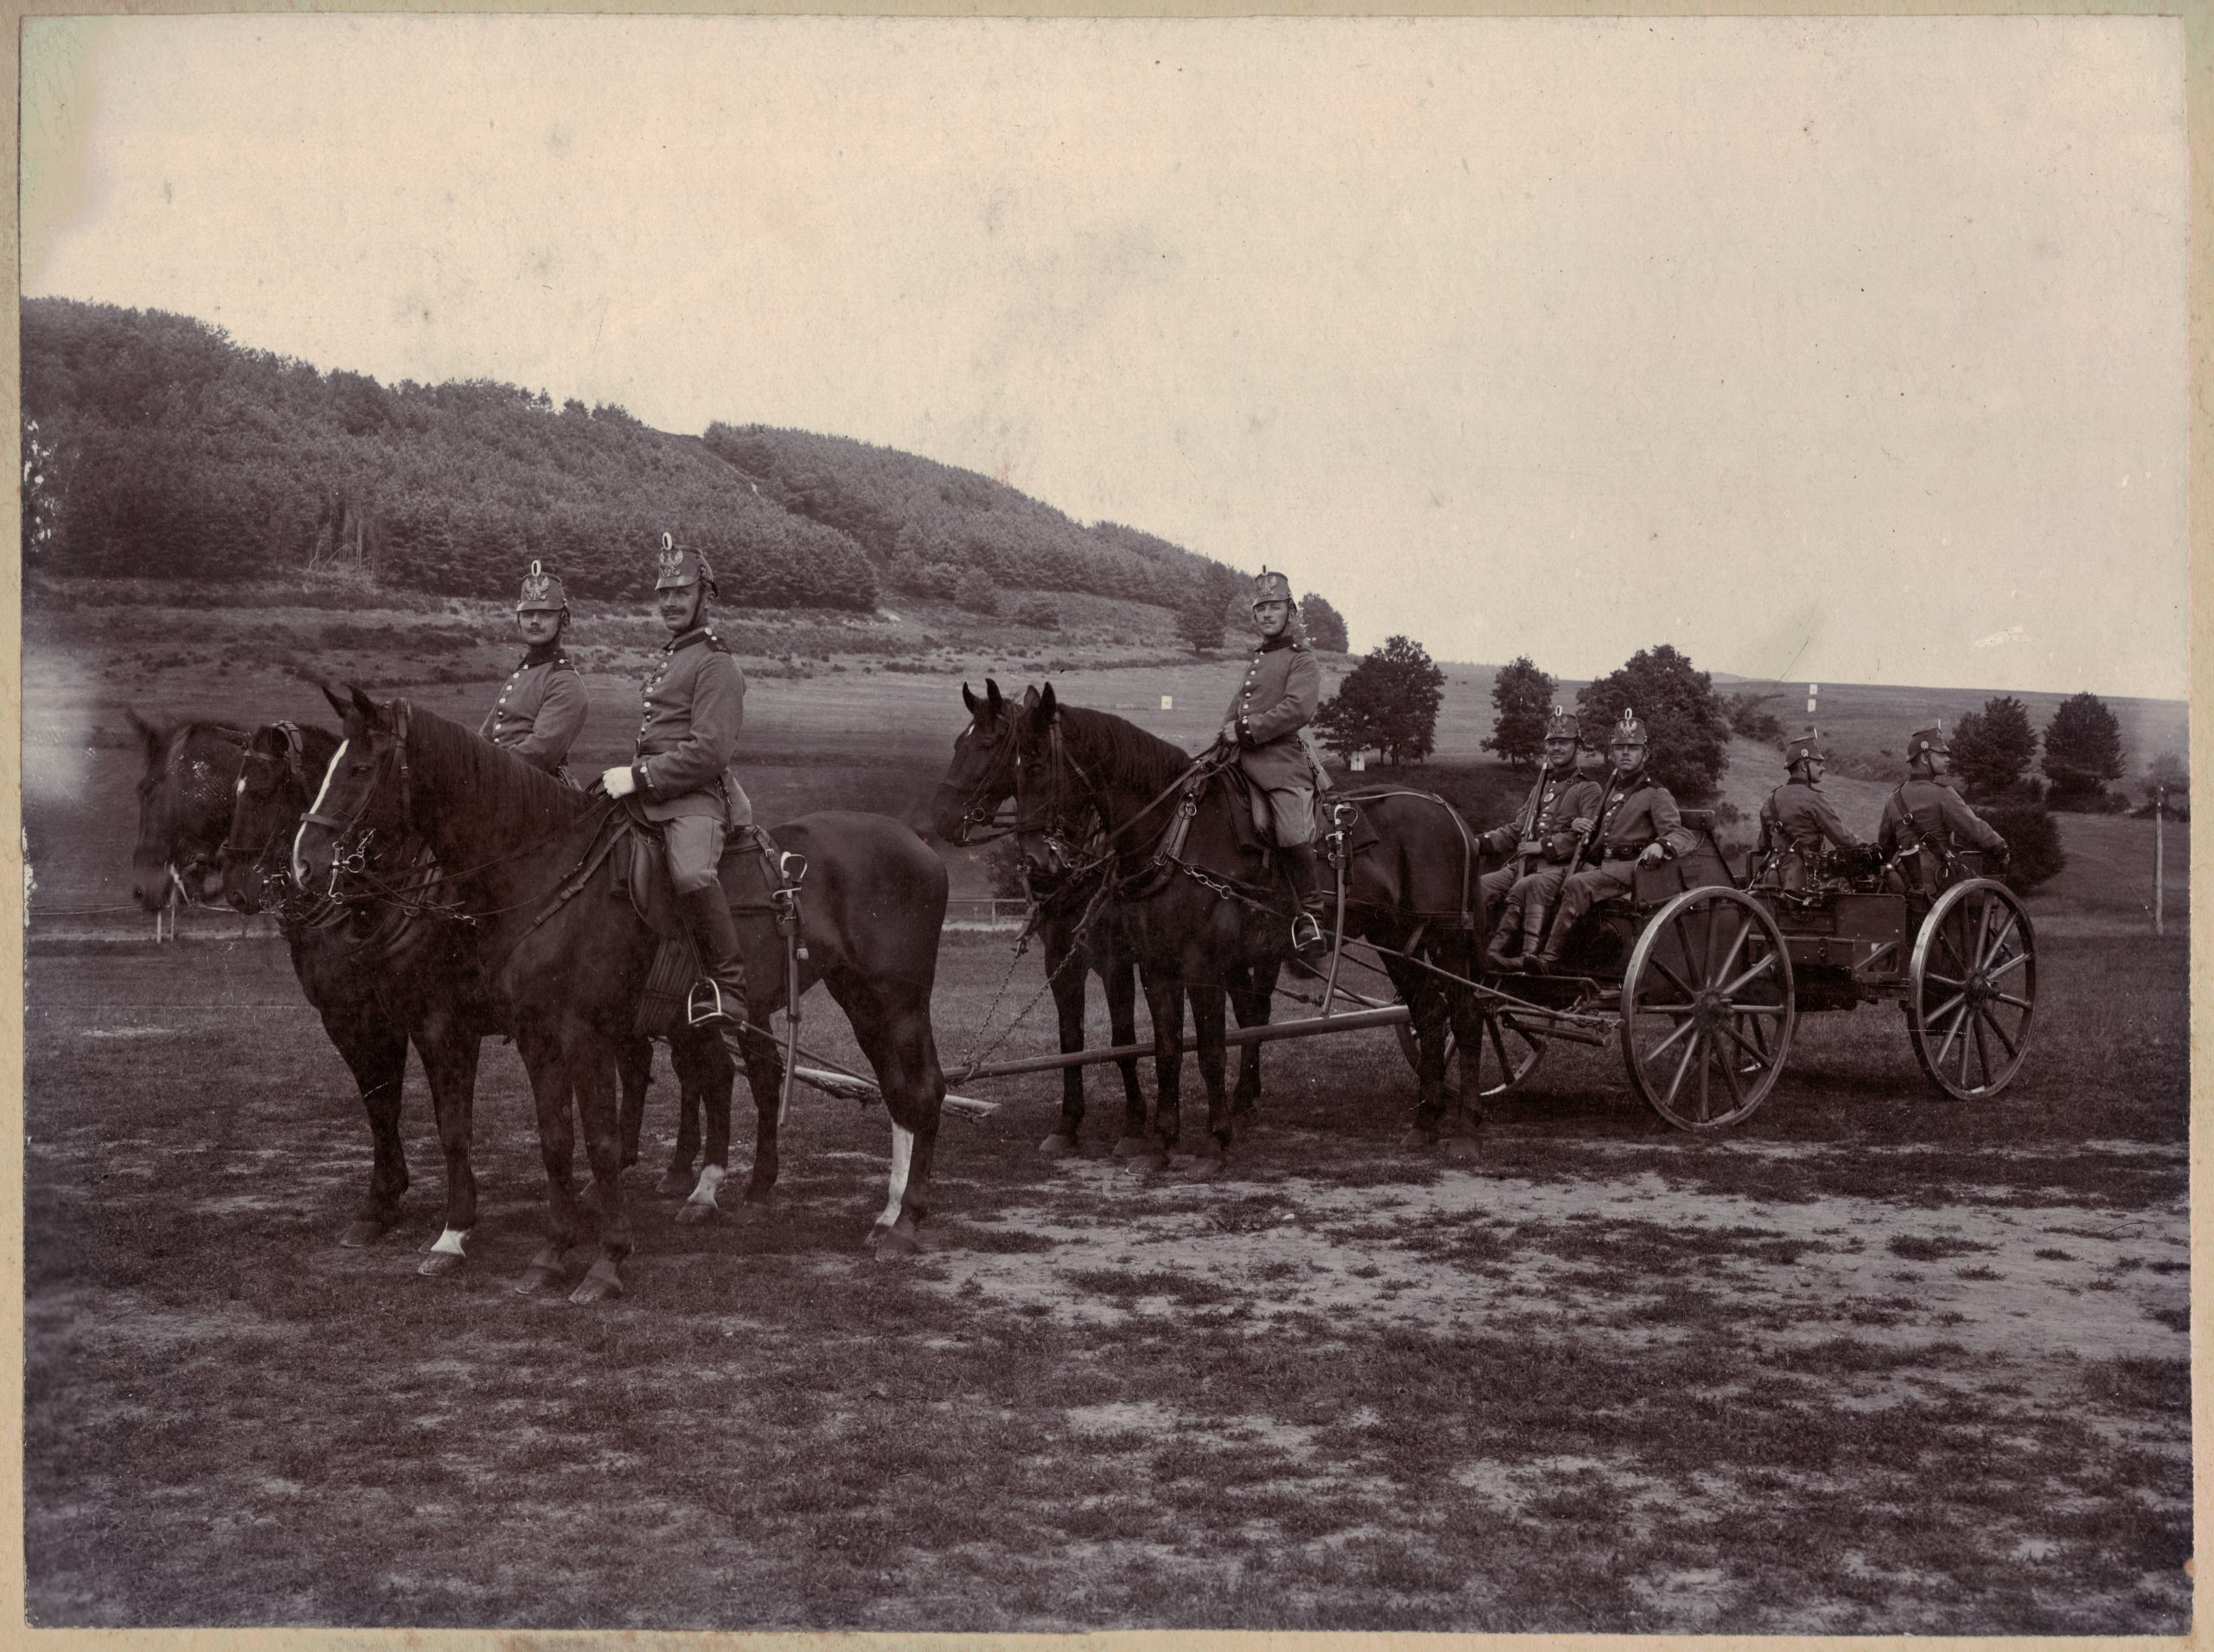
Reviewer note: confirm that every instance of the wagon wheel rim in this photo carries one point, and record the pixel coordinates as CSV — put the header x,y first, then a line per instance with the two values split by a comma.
x,y
1972,990
1707,1008
1509,1049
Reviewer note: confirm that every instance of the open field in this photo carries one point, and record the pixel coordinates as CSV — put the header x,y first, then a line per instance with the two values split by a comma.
x,y
1875,1362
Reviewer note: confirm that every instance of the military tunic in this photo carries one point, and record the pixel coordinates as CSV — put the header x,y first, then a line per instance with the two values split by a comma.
x,y
694,711
1796,812
1538,840
1281,691
541,709
1926,816
1632,819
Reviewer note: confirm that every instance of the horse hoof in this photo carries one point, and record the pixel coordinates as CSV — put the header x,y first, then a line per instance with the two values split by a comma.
x,y
692,1212
1420,1138
536,1280
1059,1145
898,1240
1134,1147
602,1284
674,1183
362,1233
1242,1124
441,1263
1461,1149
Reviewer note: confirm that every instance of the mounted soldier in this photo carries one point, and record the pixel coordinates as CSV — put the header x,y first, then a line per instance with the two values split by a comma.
x,y
542,705
1277,698
1926,824
694,708
1538,843
1638,822
1797,819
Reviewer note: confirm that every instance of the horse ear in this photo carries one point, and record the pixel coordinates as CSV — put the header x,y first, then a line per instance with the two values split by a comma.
x,y
363,703
970,699
337,702
993,698
147,732
1047,704
1030,699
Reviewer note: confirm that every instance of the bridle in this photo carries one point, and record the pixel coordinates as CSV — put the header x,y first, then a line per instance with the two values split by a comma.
x,y
184,874
419,892
1062,832
982,797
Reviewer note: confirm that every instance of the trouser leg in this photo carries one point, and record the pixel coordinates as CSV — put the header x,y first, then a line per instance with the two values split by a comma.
x,y
1578,896
695,844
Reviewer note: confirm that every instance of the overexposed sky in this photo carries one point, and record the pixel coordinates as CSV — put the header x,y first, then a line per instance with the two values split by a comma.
x,y
1844,350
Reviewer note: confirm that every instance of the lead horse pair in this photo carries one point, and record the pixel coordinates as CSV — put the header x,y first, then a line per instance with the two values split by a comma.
x,y
1199,913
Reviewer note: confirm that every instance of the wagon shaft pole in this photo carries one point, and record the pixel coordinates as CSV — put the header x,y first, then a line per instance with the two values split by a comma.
x,y
1391,1015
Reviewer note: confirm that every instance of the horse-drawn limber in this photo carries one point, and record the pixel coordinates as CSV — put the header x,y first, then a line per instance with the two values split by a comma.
x,y
1698,977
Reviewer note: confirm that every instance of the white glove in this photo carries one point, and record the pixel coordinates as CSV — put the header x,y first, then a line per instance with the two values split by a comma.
x,y
619,783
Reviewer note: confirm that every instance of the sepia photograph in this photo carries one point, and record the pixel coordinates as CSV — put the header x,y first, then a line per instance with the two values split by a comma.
x,y
1067,825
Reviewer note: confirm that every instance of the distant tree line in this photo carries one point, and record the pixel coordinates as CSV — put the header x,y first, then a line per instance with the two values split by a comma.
x,y
154,445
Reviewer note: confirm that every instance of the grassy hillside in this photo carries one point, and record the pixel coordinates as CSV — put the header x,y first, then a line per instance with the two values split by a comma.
x,y
158,447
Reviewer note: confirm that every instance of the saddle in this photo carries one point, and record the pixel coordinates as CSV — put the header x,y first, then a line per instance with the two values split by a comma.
x,y
751,872
1251,818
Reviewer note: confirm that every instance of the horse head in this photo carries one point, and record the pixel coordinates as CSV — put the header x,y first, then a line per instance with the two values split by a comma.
x,y
283,767
361,797
184,808
982,774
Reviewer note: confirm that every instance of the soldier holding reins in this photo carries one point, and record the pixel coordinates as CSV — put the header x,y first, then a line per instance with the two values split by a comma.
x,y
542,705
1278,697
694,708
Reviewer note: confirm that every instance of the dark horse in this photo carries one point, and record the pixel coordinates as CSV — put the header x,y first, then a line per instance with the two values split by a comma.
x,y
567,965
1208,918
1075,924
185,809
384,977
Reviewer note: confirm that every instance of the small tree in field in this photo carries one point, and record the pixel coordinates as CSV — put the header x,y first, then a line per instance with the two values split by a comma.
x,y
1993,748
2168,776
2083,750
1200,624
1684,718
1521,695
1387,704
1326,627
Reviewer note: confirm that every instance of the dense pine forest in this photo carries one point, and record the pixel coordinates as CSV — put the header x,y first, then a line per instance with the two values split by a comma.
x,y
157,446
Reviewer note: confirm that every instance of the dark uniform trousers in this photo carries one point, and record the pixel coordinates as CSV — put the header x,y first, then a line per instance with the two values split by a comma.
x,y
1526,886
695,709
1631,822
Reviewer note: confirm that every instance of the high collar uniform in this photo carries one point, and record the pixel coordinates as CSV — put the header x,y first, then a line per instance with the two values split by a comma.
x,y
1277,697
1796,812
1543,825
1638,812
694,711
1924,810
541,709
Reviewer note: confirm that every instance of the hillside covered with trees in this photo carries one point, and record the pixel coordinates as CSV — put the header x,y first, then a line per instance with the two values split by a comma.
x,y
154,445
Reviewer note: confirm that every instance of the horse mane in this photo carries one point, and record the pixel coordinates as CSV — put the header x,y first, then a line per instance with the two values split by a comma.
x,y
502,789
1121,752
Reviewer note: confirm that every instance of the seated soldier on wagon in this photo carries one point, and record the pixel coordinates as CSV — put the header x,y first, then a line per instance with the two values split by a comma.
x,y
1927,824
1538,843
1638,822
1797,820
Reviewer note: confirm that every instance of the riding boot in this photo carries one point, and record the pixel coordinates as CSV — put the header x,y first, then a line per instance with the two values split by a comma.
x,y
1499,958
719,994
1307,931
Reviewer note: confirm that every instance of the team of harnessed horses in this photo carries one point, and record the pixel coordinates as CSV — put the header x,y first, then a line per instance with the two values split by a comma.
x,y
434,890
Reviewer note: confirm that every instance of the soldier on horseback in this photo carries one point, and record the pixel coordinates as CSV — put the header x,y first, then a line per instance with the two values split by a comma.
x,y
694,708
1277,698
1538,843
542,705
1637,821
1925,824
1797,820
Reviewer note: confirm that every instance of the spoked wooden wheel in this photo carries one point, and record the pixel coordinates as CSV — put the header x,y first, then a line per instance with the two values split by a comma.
x,y
1510,1047
1972,986
1707,1008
